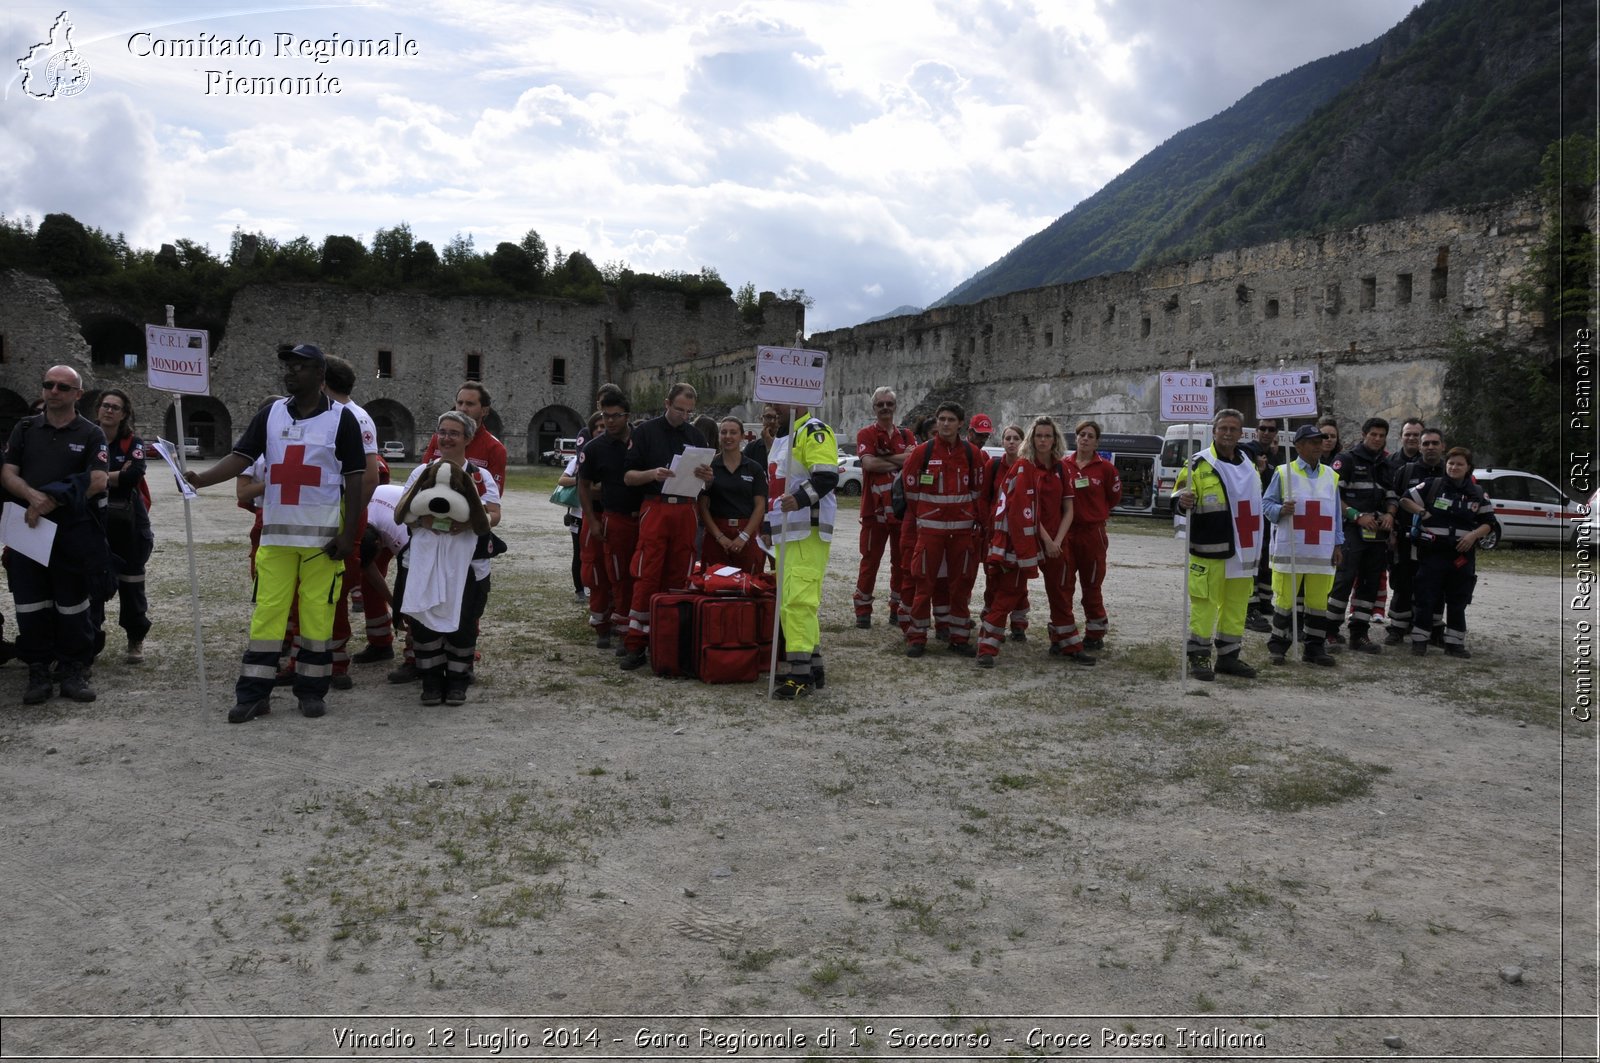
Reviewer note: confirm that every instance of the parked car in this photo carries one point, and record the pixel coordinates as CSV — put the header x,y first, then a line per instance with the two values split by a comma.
x,y
849,475
564,452
394,450
1529,508
191,447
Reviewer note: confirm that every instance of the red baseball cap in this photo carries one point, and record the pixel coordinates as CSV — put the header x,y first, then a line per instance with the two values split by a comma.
x,y
981,423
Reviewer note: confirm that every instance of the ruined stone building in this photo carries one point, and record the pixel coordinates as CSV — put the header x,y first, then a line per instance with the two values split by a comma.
x,y
541,359
1372,310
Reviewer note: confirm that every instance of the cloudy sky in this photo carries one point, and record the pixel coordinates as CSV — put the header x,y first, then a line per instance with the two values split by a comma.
x,y
873,154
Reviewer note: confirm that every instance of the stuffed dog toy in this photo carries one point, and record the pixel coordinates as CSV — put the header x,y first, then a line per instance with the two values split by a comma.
x,y
443,492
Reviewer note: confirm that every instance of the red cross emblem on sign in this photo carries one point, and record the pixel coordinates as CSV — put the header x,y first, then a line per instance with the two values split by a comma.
x,y
1313,523
1244,523
292,473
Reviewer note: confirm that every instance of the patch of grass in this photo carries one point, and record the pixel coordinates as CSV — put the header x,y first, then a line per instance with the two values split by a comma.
x,y
750,960
1319,778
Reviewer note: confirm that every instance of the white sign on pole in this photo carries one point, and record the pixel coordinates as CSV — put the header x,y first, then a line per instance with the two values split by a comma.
x,y
1286,393
178,360
1188,395
792,376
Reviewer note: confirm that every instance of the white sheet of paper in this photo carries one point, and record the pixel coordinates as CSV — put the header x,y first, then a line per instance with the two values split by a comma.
x,y
164,448
683,481
34,543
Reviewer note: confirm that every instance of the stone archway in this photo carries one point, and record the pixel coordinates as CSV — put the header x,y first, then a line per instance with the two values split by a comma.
x,y
394,423
547,426
13,408
112,339
204,419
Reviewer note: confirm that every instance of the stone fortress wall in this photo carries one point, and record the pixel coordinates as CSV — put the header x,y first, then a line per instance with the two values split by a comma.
x,y
540,359
1371,309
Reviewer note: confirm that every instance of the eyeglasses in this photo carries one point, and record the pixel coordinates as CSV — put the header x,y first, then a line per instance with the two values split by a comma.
x,y
57,385
1433,442
451,433
1329,435
883,405
619,415
114,407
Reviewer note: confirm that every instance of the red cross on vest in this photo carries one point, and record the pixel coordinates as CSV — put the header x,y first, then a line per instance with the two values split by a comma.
x,y
293,473
1244,524
1313,523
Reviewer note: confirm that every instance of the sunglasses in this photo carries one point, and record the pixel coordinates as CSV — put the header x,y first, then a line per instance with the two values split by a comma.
x,y
56,385
1326,435
883,405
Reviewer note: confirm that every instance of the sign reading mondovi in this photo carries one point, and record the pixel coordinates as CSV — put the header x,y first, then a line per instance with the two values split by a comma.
x,y
1188,395
1286,393
790,375
178,359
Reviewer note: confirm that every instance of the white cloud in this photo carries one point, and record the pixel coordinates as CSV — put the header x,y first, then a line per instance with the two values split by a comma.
x,y
872,154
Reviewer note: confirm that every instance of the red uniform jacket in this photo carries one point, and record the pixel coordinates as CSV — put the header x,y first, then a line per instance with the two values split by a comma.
x,y
1096,488
1013,526
942,483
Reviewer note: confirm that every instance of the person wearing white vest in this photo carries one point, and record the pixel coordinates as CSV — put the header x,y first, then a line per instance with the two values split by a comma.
x,y
1307,544
802,473
1221,492
314,468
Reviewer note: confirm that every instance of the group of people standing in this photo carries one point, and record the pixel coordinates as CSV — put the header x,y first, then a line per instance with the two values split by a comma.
x,y
942,508
85,479
1331,525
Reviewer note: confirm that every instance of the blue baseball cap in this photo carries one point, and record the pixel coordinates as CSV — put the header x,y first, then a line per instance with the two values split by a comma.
x,y
309,351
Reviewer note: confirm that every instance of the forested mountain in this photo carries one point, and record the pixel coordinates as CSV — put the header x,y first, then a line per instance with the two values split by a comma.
x,y
1454,105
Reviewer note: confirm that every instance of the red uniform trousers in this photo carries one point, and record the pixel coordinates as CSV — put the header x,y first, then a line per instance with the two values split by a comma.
x,y
374,606
341,608
596,574
616,560
946,557
1085,548
1005,593
1018,617
875,535
906,536
1057,575
748,558
969,577
662,561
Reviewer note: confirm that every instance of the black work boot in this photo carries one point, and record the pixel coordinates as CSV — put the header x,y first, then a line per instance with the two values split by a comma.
x,y
1231,664
75,684
1200,667
39,685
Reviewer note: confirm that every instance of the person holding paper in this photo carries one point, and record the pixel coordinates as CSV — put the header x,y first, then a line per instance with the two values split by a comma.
x,y
314,467
802,473
55,470
664,555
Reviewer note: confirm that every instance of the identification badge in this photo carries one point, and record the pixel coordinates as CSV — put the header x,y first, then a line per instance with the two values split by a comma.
x,y
1369,533
1441,503
294,431
926,479
441,524
1081,482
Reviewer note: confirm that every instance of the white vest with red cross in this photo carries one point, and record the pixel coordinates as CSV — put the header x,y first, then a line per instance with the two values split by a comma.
x,y
305,486
1316,516
1243,486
